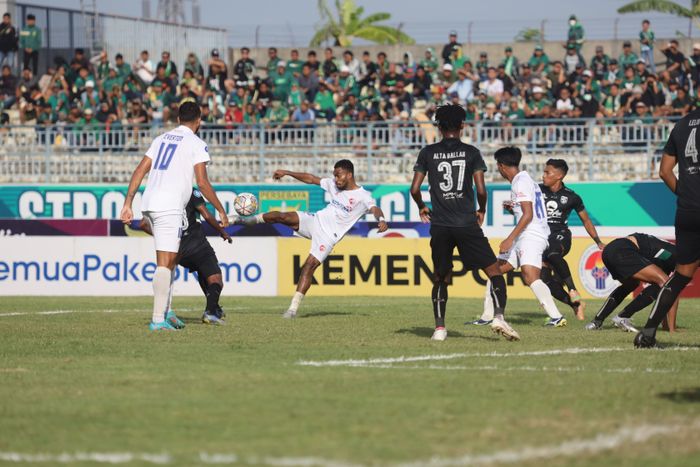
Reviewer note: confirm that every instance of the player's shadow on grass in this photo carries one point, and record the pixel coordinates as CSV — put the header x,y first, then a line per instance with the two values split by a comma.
x,y
428,332
683,396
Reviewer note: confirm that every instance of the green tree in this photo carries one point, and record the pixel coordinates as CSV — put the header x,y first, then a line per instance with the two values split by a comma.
x,y
664,6
529,35
347,23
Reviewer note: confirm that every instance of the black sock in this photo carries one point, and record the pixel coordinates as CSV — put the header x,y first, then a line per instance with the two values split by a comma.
x,y
556,287
202,283
667,297
561,267
499,295
641,301
613,301
213,292
439,303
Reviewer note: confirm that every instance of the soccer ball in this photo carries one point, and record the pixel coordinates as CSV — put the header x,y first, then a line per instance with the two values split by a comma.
x,y
246,204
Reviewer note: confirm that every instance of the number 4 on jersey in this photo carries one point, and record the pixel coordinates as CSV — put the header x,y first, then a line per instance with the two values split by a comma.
x,y
691,149
164,157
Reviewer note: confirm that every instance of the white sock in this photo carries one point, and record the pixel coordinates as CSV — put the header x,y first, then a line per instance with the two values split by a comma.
x,y
544,296
170,291
296,301
487,315
161,292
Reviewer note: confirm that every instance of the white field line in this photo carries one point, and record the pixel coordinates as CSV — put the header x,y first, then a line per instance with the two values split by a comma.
x,y
591,446
63,312
98,457
543,369
452,356
597,444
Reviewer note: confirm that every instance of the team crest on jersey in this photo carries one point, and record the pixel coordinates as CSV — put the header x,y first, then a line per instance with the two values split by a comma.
x,y
595,277
564,199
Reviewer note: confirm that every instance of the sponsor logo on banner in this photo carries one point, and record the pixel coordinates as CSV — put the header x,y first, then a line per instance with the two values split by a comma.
x,y
284,201
125,266
595,277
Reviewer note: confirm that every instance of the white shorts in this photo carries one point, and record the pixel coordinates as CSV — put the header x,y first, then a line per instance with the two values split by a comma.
x,y
310,227
167,229
528,250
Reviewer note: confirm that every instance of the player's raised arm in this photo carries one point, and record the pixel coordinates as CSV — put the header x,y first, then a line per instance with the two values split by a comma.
x,y
482,195
211,220
200,172
424,210
379,215
304,177
590,228
141,170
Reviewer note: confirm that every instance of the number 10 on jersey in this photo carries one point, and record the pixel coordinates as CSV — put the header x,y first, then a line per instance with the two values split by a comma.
x,y
164,157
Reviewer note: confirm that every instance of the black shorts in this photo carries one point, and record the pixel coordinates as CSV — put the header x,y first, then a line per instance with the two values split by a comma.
x,y
559,242
203,260
623,259
687,236
473,247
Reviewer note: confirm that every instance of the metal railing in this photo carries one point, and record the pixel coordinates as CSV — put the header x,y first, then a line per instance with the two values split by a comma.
x,y
382,151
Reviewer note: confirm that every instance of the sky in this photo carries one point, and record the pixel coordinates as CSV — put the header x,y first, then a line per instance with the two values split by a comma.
x,y
479,20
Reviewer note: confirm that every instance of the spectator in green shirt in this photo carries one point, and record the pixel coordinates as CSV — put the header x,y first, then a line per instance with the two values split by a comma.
x,y
112,80
30,43
324,102
123,68
482,66
646,40
539,61
102,66
600,63
429,63
510,62
281,82
628,57
273,60
576,33
294,64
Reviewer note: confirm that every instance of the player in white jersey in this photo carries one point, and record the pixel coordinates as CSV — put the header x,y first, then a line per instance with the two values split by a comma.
x,y
349,202
524,246
173,160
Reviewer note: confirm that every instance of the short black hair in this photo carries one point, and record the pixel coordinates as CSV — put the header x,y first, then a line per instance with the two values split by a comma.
x,y
559,164
349,52
118,56
346,165
6,15
245,49
450,117
188,112
272,49
311,53
509,156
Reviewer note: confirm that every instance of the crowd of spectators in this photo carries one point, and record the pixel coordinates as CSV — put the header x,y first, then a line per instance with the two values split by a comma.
x,y
89,92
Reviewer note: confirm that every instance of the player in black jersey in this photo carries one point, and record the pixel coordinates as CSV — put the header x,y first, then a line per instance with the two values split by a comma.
x,y
633,259
197,255
455,222
559,202
681,149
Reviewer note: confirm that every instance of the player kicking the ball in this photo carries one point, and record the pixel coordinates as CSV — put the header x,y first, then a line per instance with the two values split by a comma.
x,y
453,168
173,159
525,245
349,202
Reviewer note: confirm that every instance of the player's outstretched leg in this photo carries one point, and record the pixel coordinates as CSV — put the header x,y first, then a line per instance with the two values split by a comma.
x,y
557,289
305,279
170,315
561,268
290,219
531,276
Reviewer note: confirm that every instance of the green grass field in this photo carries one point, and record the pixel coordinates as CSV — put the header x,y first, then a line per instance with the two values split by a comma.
x,y
90,383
